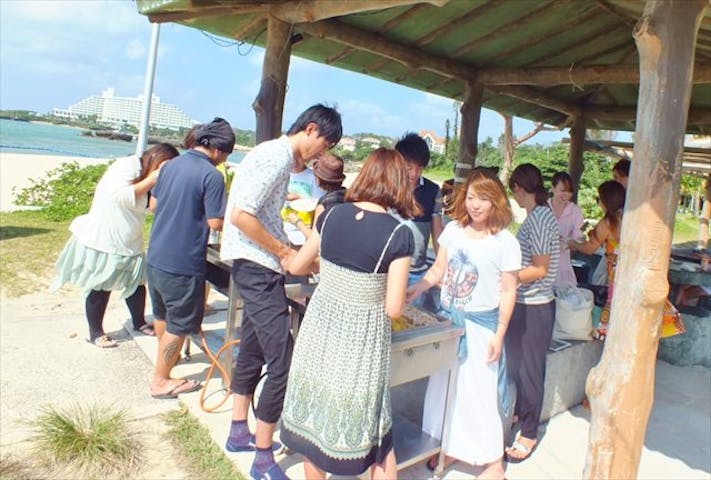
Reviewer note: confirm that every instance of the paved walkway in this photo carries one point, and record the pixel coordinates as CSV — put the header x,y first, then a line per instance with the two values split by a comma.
x,y
46,361
678,443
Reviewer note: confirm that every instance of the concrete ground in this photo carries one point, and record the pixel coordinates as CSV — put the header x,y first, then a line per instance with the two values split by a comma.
x,y
46,361
677,445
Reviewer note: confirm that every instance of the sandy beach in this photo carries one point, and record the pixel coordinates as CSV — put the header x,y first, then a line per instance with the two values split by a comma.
x,y
17,170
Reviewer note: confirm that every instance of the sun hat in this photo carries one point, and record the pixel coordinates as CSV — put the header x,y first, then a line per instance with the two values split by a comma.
x,y
329,168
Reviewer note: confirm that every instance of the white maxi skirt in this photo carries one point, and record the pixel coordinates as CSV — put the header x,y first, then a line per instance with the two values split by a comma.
x,y
475,434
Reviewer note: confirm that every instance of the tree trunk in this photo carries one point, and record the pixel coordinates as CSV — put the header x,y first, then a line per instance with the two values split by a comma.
x,y
575,159
269,104
509,149
705,215
468,146
621,387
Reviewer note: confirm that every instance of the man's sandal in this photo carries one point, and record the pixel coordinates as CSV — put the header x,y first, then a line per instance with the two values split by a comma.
x,y
103,341
147,330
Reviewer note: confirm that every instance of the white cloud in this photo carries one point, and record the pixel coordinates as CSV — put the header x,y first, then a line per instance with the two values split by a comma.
x,y
135,49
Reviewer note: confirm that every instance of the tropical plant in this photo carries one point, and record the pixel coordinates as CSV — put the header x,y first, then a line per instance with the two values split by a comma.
x,y
89,441
65,192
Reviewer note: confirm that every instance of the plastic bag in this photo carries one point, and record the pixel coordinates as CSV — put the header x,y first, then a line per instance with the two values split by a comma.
x,y
573,313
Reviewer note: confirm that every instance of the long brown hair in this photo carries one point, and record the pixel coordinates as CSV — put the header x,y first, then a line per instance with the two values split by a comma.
x,y
383,180
486,185
153,157
528,177
612,196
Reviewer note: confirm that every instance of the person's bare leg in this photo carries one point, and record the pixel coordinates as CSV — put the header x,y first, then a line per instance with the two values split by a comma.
x,y
493,470
168,353
312,472
240,406
265,434
159,326
386,470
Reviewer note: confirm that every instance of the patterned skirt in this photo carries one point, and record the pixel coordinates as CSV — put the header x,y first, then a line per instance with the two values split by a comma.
x,y
91,269
337,406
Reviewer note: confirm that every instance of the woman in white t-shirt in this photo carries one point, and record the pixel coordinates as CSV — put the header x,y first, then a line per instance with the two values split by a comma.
x,y
477,262
105,251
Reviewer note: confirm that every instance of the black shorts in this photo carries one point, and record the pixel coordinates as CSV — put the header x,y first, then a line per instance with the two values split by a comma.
x,y
177,299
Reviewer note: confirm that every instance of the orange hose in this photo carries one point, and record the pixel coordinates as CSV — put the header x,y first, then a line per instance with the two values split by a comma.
x,y
215,359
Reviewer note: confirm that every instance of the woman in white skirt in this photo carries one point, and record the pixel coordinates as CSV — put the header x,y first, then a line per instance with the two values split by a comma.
x,y
105,251
477,262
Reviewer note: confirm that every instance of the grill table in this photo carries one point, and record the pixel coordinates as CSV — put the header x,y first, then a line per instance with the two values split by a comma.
x,y
416,353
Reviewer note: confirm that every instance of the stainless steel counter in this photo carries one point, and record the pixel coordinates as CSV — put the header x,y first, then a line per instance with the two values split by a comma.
x,y
416,353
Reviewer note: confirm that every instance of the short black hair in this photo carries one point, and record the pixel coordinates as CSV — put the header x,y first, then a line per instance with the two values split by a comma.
x,y
326,118
622,167
414,148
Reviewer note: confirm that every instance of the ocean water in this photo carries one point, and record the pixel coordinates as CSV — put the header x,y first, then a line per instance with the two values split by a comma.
x,y
47,139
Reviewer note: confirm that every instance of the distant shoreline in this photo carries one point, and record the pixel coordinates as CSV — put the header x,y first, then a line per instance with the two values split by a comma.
x,y
17,170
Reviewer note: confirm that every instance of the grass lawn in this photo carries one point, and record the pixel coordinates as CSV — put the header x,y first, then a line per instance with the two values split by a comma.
x,y
29,246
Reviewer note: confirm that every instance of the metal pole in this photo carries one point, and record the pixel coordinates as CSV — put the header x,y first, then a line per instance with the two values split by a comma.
x,y
148,91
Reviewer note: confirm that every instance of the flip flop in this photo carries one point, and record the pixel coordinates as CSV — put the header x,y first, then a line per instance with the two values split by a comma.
x,y
516,445
103,341
174,392
147,330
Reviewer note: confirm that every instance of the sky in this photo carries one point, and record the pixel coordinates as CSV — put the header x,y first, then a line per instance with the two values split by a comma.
x,y
52,56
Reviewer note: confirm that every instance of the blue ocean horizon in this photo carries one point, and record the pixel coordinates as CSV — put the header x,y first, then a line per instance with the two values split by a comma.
x,y
47,139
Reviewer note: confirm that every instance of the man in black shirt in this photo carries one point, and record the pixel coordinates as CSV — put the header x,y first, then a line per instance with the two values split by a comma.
x,y
429,224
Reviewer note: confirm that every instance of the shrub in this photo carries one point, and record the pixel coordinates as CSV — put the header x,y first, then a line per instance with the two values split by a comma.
x,y
65,193
86,441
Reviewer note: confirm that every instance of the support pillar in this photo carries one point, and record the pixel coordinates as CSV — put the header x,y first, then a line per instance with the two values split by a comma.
x,y
577,147
621,387
269,104
469,138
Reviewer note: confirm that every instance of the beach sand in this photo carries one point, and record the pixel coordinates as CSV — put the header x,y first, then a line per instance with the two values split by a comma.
x,y
17,170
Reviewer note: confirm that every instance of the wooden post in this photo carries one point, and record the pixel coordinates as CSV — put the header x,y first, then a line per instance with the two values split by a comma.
x,y
621,387
269,104
577,147
468,140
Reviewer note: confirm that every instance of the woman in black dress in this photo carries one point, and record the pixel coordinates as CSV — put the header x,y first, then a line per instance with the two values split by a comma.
x,y
337,407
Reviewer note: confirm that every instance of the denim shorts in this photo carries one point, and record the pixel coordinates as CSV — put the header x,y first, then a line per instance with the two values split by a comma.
x,y
177,299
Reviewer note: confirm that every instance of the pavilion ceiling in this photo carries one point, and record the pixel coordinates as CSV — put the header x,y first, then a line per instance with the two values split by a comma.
x,y
544,60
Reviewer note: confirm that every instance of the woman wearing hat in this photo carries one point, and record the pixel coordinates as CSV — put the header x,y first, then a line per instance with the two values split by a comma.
x,y
329,173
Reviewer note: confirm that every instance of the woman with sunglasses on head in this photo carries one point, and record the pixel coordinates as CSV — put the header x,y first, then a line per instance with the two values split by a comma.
x,y
611,198
531,327
477,262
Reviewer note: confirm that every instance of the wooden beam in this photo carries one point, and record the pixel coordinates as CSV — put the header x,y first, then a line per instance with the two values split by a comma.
x,y
537,97
621,386
300,11
695,116
380,45
534,11
340,55
585,16
399,19
247,31
455,23
203,12
269,104
594,36
578,75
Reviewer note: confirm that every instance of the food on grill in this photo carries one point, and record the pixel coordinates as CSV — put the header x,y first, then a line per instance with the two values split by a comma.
x,y
412,317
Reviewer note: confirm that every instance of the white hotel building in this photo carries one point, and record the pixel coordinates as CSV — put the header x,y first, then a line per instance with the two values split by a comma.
x,y
124,110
